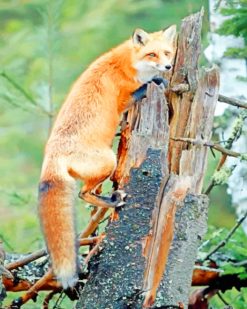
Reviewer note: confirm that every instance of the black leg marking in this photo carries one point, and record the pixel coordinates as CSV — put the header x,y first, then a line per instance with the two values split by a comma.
x,y
45,186
140,93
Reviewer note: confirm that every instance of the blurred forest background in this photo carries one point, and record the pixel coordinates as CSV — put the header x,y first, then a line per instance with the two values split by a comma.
x,y
44,47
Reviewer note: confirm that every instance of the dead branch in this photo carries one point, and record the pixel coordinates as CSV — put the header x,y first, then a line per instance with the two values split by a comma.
x,y
27,259
48,298
94,222
223,283
203,276
181,88
42,281
90,240
234,135
33,291
222,299
40,253
215,146
92,252
232,101
24,284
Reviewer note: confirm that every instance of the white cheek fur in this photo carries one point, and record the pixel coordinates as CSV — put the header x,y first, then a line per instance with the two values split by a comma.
x,y
146,70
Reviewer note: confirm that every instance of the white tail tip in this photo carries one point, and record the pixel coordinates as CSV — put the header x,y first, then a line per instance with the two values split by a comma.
x,y
67,280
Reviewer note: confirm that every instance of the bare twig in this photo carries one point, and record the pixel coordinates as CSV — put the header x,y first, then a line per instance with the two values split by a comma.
x,y
229,235
209,187
222,299
27,259
89,241
210,144
59,301
33,291
241,263
104,220
48,298
181,88
40,253
94,222
92,252
225,152
232,101
95,248
234,135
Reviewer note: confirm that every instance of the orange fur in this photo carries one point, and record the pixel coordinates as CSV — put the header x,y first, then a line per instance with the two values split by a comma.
x,y
79,146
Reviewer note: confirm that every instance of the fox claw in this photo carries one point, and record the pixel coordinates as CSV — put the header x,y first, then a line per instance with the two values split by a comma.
x,y
121,204
118,195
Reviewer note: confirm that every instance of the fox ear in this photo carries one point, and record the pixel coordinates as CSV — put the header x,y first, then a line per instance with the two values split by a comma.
x,y
170,34
140,37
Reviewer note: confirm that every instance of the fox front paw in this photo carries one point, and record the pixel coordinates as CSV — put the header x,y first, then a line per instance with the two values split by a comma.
x,y
160,81
119,197
140,93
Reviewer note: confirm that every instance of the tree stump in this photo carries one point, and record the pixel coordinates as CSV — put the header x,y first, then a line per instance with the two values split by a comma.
x,y
141,264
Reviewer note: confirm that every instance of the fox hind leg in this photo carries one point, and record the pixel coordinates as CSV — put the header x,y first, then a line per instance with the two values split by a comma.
x,y
116,200
100,166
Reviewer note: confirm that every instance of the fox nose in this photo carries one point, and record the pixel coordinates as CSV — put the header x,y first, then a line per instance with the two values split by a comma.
x,y
168,66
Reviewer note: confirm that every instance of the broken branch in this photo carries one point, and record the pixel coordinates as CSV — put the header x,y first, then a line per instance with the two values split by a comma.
x,y
27,259
234,135
232,101
201,142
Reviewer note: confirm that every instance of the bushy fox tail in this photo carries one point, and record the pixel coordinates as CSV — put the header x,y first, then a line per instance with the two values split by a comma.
x,y
56,212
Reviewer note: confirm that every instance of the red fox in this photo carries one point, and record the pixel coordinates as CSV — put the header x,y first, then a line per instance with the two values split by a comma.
x,y
80,144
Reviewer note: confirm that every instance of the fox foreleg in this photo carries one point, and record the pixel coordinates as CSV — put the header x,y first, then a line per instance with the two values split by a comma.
x,y
141,92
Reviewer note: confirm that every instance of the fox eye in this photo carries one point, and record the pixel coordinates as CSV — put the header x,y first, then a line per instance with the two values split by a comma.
x,y
167,53
152,55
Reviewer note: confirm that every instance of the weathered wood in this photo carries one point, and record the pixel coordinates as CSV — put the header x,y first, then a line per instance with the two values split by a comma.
x,y
193,159
117,276
146,126
161,237
194,120
190,226
185,72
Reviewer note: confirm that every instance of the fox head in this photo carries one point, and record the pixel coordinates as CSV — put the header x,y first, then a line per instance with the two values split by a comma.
x,y
153,52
